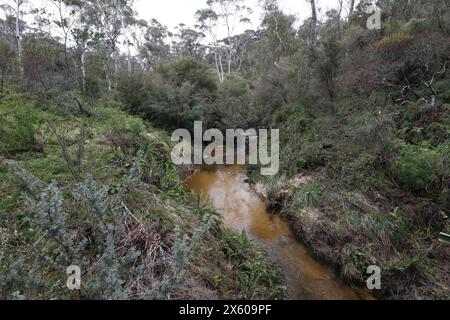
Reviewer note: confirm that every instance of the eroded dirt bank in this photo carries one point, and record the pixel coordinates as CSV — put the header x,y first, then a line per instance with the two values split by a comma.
x,y
336,238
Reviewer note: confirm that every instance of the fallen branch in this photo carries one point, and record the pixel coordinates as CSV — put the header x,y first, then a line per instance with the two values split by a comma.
x,y
131,214
82,109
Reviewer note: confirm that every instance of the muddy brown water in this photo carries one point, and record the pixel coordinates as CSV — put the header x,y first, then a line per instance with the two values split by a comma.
x,y
244,210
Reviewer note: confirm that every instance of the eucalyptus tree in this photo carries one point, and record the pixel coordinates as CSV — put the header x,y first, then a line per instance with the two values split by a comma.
x,y
278,34
244,61
207,22
65,20
126,15
8,28
19,3
226,15
154,47
84,38
16,7
351,6
107,27
6,55
137,35
312,39
188,42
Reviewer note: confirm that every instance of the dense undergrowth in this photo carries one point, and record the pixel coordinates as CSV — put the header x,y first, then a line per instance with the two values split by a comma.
x,y
365,177
370,187
100,192
363,118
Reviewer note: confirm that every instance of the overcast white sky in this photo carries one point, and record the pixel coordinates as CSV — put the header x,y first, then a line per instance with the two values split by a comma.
x,y
173,12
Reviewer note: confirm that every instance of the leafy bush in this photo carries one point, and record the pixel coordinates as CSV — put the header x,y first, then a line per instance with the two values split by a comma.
x,y
418,168
255,272
119,122
444,96
46,68
233,103
17,126
173,95
416,26
89,225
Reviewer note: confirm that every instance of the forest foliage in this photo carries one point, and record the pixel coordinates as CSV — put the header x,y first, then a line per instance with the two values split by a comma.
x,y
364,113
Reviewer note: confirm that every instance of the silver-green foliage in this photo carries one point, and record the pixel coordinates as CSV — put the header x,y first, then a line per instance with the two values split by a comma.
x,y
86,224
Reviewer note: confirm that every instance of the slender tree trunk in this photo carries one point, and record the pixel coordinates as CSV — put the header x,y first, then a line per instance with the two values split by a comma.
x,y
352,7
122,21
116,62
3,80
108,77
313,24
221,68
19,38
59,5
216,60
130,66
115,57
219,64
341,5
83,70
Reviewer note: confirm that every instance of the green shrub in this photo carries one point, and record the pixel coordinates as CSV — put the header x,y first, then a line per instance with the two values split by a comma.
x,y
171,96
444,97
418,168
254,272
119,122
119,260
279,117
417,26
17,127
234,102
444,149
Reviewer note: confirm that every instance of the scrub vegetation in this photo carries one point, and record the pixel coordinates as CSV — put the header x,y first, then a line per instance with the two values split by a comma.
x,y
101,193
89,94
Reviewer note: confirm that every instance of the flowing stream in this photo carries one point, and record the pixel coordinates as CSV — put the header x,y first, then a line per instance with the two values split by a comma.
x,y
243,210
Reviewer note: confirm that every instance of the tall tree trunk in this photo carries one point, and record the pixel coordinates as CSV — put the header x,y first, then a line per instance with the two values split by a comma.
x,y
216,60
221,68
313,24
352,7
219,64
130,66
19,38
108,77
122,21
341,5
83,70
116,58
3,80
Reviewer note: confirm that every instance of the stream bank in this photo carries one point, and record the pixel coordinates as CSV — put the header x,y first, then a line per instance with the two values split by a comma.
x,y
242,209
